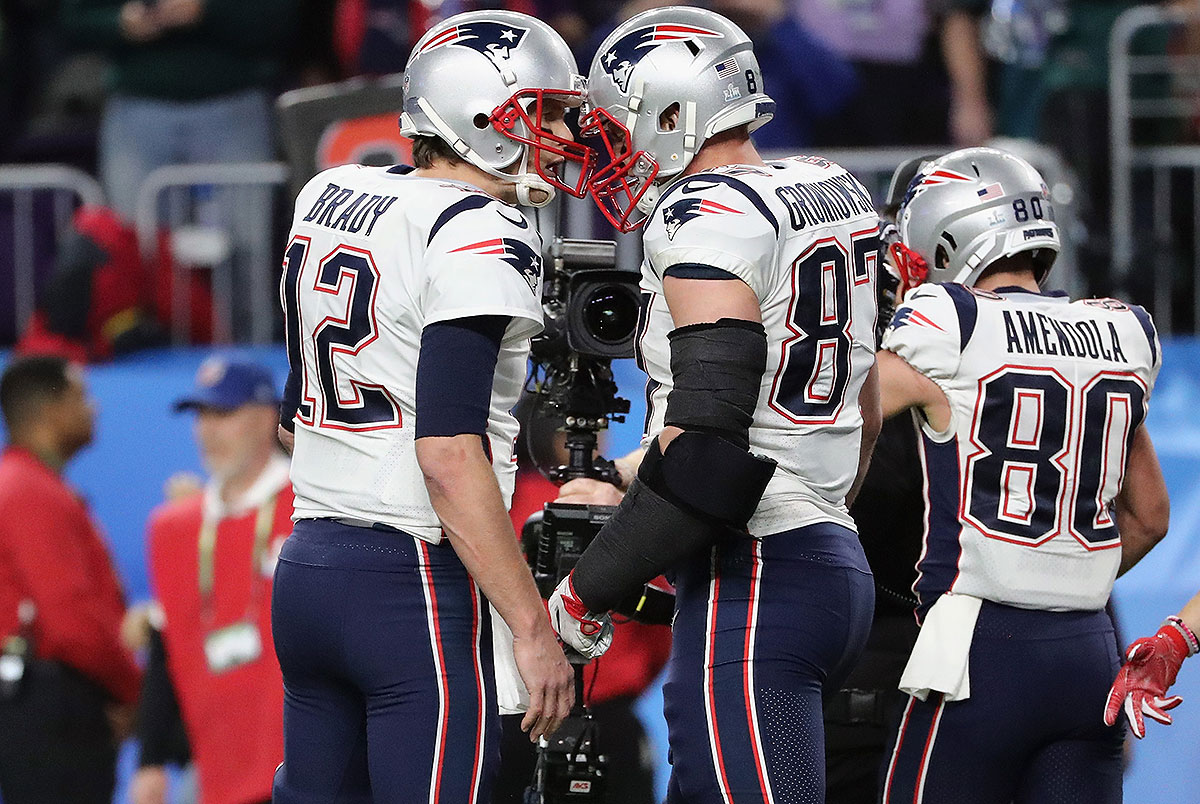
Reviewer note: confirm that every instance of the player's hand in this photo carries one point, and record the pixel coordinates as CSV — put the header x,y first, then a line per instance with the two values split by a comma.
x,y
138,22
586,491
287,439
149,785
590,634
1141,686
179,13
549,679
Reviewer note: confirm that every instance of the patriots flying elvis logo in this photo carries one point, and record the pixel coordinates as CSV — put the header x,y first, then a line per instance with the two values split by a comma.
x,y
679,213
496,40
517,253
907,315
934,178
624,54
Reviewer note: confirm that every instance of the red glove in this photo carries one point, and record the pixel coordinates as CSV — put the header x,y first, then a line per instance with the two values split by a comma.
x,y
1150,669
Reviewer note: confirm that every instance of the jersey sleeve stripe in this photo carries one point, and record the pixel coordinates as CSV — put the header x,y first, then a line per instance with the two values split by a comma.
x,y
1148,327
698,270
463,205
967,307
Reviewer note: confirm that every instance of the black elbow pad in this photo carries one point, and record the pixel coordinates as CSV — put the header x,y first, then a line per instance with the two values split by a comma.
x,y
683,500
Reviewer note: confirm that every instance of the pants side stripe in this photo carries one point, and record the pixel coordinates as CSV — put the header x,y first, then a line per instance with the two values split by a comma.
x,y
435,641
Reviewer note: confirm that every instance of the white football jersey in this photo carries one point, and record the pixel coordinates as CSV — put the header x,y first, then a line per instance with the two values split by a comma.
x,y
376,255
803,234
1045,395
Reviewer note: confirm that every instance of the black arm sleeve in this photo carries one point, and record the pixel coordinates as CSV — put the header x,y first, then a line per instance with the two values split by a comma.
x,y
695,270
454,375
159,724
290,402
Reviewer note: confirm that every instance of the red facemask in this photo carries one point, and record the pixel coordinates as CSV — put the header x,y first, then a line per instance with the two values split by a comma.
x,y
527,106
613,188
912,268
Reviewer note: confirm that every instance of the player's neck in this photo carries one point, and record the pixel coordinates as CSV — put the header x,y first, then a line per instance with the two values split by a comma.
x,y
726,148
1008,279
469,174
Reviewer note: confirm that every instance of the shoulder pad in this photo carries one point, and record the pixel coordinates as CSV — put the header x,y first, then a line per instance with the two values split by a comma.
x,y
486,212
733,196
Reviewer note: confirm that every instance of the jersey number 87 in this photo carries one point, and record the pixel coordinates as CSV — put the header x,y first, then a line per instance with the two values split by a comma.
x,y
810,385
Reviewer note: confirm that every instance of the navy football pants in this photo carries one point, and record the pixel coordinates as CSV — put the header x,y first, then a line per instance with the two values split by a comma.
x,y
762,628
1032,731
389,692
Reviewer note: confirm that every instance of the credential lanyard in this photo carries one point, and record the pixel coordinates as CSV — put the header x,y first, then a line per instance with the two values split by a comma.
x,y
263,521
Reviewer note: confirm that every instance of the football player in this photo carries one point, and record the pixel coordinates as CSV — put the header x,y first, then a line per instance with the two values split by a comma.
x,y
410,296
757,336
889,514
1041,486
1150,669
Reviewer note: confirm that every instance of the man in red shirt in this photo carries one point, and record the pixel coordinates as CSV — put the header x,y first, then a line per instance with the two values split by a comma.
x,y
211,561
67,684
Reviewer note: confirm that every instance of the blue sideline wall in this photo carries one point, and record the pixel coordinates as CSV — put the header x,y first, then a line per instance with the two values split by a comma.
x,y
140,443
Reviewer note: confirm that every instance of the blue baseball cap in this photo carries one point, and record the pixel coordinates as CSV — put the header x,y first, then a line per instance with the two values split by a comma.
x,y
227,384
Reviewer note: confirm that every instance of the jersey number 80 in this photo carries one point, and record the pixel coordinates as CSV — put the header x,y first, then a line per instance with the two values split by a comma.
x,y
1048,454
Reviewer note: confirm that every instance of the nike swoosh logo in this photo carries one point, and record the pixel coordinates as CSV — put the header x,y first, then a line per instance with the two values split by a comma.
x,y
520,223
698,187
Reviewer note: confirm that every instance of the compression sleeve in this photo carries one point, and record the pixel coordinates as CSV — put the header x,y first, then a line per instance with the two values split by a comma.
x,y
455,371
695,270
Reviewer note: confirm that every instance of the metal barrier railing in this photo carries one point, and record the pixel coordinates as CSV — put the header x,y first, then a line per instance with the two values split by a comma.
x,y
229,211
68,188
1145,177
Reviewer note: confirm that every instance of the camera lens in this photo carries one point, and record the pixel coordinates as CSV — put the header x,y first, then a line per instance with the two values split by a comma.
x,y
610,314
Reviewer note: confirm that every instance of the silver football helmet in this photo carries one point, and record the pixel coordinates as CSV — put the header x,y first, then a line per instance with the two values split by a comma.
x,y
480,81
971,207
670,59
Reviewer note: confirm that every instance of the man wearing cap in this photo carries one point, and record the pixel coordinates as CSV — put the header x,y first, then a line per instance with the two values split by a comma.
x,y
211,561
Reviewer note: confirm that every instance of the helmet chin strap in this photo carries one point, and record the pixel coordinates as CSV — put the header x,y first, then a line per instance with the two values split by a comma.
x,y
525,182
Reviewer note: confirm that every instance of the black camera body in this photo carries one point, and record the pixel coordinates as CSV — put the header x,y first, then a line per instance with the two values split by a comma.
x,y
555,544
570,768
591,307
591,318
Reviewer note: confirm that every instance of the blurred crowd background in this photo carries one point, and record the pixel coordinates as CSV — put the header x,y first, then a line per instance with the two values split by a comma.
x,y
150,149
120,92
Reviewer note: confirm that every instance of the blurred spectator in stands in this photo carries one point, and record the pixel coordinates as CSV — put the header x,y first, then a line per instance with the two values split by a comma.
x,y
374,37
313,59
211,561
93,305
102,299
1051,63
908,93
193,82
68,683
808,81
49,98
